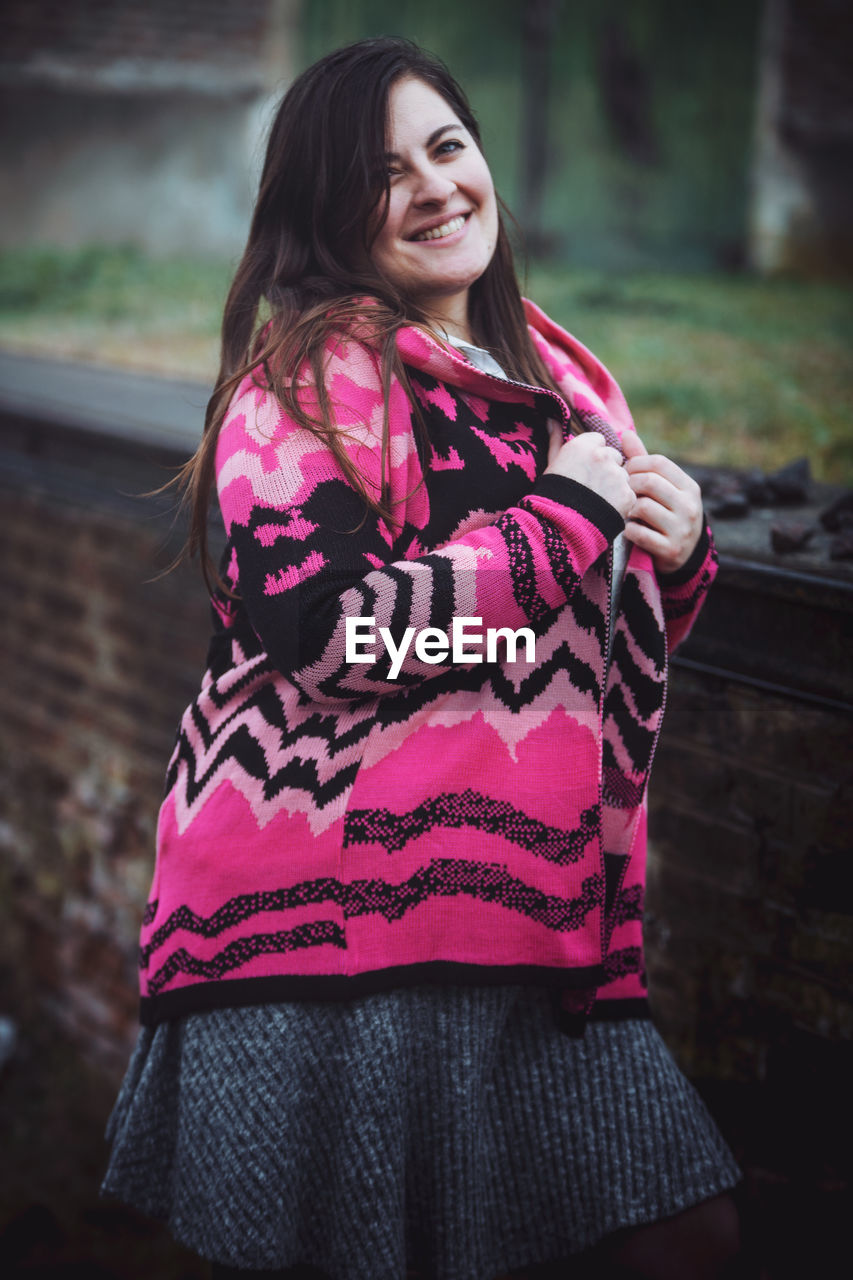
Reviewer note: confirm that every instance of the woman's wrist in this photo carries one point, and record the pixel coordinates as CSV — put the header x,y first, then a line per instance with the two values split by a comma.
x,y
691,566
581,498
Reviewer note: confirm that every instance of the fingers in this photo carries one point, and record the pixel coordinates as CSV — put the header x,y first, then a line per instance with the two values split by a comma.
x,y
658,487
651,540
591,462
667,498
668,552
660,503
667,518
632,446
644,535
657,516
612,457
658,464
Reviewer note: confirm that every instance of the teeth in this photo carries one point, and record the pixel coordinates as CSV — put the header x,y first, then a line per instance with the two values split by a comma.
x,y
445,229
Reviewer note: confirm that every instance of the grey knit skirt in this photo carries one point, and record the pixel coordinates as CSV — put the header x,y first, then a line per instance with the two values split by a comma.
x,y
452,1129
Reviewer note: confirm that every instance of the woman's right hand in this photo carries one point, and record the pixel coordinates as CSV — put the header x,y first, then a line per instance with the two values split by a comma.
x,y
589,460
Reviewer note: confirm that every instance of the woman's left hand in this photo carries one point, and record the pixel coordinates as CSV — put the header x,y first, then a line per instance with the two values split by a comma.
x,y
667,518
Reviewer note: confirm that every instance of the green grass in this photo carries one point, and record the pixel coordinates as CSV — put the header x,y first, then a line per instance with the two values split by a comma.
x,y
115,306
720,369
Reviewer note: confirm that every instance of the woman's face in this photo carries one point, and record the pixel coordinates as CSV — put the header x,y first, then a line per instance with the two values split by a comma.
x,y
442,224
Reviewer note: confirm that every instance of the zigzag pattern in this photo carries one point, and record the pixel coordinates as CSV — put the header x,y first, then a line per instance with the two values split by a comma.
x,y
298,564
239,952
393,831
444,877
587,615
272,748
637,739
620,964
488,882
617,788
680,608
563,660
238,744
240,908
520,696
443,603
242,739
628,906
260,681
262,715
644,625
646,692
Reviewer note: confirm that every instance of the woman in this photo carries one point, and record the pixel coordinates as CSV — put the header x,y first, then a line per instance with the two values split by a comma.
x,y
392,977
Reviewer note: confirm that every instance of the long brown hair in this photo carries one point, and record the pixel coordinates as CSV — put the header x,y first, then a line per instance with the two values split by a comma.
x,y
306,270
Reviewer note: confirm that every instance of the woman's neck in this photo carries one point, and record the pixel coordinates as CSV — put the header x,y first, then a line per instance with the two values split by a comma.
x,y
451,333
451,324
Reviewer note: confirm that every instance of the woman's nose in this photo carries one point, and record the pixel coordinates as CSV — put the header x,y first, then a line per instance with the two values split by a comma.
x,y
433,187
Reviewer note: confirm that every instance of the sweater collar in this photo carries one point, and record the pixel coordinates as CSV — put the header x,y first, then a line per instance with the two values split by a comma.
x,y
422,351
581,377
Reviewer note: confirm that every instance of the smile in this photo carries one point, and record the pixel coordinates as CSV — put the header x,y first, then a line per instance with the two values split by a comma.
x,y
446,229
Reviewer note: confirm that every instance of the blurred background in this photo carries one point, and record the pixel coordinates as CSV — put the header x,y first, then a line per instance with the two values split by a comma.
x,y
682,180
683,171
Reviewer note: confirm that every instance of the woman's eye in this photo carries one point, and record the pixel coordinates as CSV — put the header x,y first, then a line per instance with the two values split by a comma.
x,y
448,146
388,174
390,169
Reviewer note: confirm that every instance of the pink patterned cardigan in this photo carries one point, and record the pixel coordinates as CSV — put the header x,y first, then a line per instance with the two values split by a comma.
x,y
328,830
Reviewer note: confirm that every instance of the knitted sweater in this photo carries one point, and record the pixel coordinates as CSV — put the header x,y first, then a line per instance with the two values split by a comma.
x,y
358,805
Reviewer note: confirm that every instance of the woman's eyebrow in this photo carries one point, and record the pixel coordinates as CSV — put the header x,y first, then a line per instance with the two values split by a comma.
x,y
433,137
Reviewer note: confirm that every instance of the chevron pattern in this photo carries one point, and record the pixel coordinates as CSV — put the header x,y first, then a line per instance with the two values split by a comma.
x,y
321,817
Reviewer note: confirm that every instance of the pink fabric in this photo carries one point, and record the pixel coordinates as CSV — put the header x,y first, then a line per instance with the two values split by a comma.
x,y
323,819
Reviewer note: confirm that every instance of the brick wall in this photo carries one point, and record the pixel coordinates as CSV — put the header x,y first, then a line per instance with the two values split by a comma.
x,y
95,43
138,123
98,664
750,897
750,892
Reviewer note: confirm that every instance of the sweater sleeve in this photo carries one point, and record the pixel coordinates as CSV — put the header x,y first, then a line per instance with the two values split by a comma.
x,y
308,557
683,592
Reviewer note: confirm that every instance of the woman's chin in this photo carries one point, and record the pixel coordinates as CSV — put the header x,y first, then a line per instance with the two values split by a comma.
x,y
437,293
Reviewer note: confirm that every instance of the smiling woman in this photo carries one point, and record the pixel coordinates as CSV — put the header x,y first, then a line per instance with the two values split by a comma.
x,y
393,991
439,226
